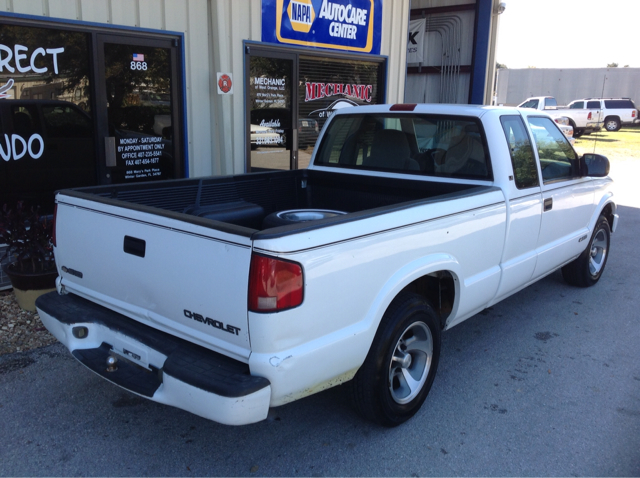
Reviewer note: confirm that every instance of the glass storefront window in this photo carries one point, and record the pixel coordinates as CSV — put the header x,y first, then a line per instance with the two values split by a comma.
x,y
139,110
46,135
80,107
326,85
291,95
270,112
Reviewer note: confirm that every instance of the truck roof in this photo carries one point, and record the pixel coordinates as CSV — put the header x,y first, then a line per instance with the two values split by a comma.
x,y
425,108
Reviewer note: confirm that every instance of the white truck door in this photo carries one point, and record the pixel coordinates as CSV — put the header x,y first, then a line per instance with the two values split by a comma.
x,y
567,197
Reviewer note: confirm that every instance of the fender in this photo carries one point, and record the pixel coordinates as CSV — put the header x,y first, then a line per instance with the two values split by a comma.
x,y
605,200
405,276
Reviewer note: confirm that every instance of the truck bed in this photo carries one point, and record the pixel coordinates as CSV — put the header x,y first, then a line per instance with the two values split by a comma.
x,y
239,204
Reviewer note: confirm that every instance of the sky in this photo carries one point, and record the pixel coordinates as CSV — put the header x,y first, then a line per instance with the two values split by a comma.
x,y
569,33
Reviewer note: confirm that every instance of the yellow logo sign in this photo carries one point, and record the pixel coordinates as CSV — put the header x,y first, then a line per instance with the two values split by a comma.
x,y
301,15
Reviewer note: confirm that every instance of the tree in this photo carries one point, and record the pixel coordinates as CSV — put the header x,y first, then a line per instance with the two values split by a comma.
x,y
612,65
501,65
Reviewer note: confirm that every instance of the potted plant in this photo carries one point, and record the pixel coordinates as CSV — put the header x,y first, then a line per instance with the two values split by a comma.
x,y
31,267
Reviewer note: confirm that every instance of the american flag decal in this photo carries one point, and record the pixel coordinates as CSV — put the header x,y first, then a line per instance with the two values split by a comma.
x,y
138,57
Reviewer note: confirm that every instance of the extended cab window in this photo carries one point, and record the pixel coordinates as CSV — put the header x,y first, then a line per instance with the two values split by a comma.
x,y
577,105
558,160
525,171
415,144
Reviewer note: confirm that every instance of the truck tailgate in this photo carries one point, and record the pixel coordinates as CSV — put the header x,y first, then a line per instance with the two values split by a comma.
x,y
182,278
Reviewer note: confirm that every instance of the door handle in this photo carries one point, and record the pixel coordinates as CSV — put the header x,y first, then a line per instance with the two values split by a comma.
x,y
134,246
110,151
548,204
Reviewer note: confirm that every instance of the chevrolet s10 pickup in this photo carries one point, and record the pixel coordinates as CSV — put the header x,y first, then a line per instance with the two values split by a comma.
x,y
225,296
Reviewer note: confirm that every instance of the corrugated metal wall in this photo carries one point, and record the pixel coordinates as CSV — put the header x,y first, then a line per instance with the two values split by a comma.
x,y
566,85
214,32
449,72
448,40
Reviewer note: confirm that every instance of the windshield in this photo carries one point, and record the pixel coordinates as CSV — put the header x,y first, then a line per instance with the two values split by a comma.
x,y
415,144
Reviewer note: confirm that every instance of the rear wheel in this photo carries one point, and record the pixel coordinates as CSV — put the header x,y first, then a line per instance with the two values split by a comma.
x,y
612,124
398,372
586,270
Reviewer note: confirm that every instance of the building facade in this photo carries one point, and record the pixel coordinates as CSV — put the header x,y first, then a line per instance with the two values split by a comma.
x,y
119,91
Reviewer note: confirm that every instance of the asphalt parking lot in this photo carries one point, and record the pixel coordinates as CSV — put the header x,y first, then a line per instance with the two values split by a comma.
x,y
546,383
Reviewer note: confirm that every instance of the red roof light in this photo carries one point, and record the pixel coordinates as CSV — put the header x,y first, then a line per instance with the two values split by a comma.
x,y
403,107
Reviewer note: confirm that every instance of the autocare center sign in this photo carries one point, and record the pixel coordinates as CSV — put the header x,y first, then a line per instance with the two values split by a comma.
x,y
352,25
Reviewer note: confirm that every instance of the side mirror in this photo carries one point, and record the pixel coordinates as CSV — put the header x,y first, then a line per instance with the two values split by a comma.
x,y
596,165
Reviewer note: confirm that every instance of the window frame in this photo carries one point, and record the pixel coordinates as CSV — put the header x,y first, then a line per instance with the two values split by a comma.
x,y
535,165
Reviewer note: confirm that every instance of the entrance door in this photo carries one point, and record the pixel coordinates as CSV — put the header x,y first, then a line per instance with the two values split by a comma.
x,y
272,107
139,138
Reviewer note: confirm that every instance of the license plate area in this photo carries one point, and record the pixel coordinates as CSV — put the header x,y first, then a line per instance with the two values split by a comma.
x,y
132,353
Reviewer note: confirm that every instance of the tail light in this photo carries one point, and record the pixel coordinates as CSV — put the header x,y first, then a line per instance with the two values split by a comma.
x,y
589,117
53,226
633,113
274,284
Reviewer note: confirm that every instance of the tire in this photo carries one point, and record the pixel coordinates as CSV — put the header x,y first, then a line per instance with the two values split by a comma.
x,y
296,216
612,124
406,345
577,132
587,269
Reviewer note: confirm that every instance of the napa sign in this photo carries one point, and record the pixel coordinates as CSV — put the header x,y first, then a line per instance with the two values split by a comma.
x,y
352,25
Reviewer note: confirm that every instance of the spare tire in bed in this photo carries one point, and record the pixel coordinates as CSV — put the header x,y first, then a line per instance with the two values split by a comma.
x,y
296,216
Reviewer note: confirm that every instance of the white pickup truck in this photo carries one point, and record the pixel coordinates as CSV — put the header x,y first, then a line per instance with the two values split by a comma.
x,y
226,296
583,119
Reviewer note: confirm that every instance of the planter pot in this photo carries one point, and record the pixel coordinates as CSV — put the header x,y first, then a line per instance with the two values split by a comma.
x,y
28,286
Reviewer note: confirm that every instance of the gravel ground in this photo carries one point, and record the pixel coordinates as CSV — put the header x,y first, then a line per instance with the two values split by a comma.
x,y
20,330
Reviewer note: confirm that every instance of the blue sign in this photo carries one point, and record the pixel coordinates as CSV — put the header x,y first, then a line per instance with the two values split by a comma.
x,y
352,25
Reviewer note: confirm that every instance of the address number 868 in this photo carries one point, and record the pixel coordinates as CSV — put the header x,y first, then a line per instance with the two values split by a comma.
x,y
139,65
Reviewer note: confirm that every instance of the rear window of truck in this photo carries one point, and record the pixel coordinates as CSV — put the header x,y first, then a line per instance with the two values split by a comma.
x,y
430,145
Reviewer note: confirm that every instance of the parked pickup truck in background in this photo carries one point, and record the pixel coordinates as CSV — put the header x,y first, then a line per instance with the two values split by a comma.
x,y
614,112
583,120
225,296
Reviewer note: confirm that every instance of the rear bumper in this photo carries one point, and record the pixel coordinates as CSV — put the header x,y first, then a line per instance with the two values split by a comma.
x,y
154,364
